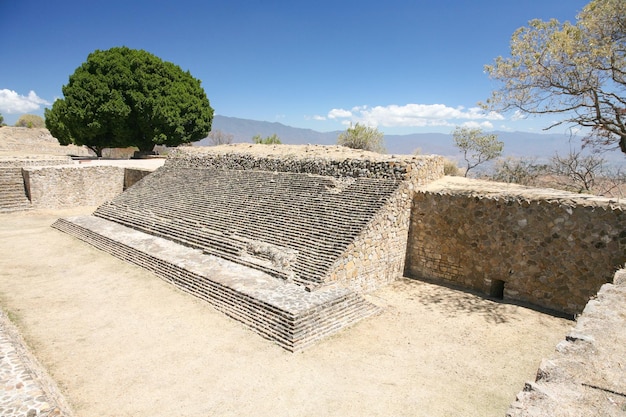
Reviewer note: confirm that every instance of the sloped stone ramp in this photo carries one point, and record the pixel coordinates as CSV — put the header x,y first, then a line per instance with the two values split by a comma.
x,y
273,242
277,309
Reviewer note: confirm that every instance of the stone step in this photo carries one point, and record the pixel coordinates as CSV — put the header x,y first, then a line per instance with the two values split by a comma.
x,y
283,312
12,192
301,212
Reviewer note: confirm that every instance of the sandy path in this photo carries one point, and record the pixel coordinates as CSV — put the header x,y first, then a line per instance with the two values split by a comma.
x,y
121,342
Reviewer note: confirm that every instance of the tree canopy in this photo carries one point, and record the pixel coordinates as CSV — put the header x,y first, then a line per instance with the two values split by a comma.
x,y
575,70
362,137
125,97
477,147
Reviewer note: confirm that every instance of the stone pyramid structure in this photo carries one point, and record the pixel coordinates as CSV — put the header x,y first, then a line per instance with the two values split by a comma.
x,y
285,239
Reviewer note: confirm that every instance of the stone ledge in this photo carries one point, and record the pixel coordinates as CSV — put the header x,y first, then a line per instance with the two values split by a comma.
x,y
586,376
470,187
334,161
280,311
27,389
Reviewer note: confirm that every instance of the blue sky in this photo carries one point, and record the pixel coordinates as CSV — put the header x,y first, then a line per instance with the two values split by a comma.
x,y
403,66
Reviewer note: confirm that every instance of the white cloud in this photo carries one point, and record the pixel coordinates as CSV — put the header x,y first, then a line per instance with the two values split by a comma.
x,y
11,102
477,125
318,117
518,115
339,114
413,115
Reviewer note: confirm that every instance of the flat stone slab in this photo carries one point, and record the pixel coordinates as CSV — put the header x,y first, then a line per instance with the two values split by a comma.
x,y
498,190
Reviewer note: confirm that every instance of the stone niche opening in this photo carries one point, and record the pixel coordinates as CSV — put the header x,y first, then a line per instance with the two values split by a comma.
x,y
497,289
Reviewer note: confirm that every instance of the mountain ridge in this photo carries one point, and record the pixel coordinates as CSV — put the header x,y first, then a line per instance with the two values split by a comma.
x,y
516,144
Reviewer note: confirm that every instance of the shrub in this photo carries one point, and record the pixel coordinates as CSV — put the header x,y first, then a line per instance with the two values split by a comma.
x,y
30,121
270,140
362,137
451,168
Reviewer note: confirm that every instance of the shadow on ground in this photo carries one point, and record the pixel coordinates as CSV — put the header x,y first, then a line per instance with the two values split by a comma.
x,y
437,296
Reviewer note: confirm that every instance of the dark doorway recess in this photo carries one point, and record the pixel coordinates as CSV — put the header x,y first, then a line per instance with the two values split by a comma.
x,y
497,289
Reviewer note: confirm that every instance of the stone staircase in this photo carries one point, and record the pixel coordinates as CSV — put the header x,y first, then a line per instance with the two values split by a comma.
x,y
283,312
270,241
290,225
12,192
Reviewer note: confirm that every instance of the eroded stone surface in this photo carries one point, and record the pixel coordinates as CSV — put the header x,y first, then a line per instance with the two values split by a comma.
x,y
25,388
586,376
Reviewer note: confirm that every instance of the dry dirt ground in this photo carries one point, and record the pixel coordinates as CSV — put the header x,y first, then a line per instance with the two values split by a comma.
x,y
121,342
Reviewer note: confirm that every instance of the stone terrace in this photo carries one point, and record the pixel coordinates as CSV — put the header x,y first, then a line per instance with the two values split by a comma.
x,y
290,216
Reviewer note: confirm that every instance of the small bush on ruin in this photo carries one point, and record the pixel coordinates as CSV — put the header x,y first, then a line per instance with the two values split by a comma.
x,y
362,137
270,140
30,121
451,168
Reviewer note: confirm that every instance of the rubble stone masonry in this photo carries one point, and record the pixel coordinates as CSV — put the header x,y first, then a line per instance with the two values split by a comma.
x,y
546,247
72,186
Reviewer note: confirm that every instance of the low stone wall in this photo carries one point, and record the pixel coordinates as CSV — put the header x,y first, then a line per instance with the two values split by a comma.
x,y
333,161
21,162
72,186
545,247
585,375
281,311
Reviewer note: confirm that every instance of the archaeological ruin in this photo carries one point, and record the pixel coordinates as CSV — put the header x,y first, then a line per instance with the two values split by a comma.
x,y
288,240
309,233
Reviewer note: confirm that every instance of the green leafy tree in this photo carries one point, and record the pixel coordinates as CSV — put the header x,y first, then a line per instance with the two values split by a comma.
x,y
362,137
30,121
125,97
477,148
270,140
1,120
577,71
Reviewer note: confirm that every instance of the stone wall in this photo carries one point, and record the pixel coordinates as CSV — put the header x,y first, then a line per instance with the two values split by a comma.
x,y
334,161
376,256
250,205
545,247
19,162
72,186
134,175
585,376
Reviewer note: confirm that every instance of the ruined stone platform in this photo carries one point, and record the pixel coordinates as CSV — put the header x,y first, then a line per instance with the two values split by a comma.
x,y
279,310
281,238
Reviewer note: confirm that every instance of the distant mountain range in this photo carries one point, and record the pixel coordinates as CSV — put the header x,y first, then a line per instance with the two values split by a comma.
x,y
516,144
